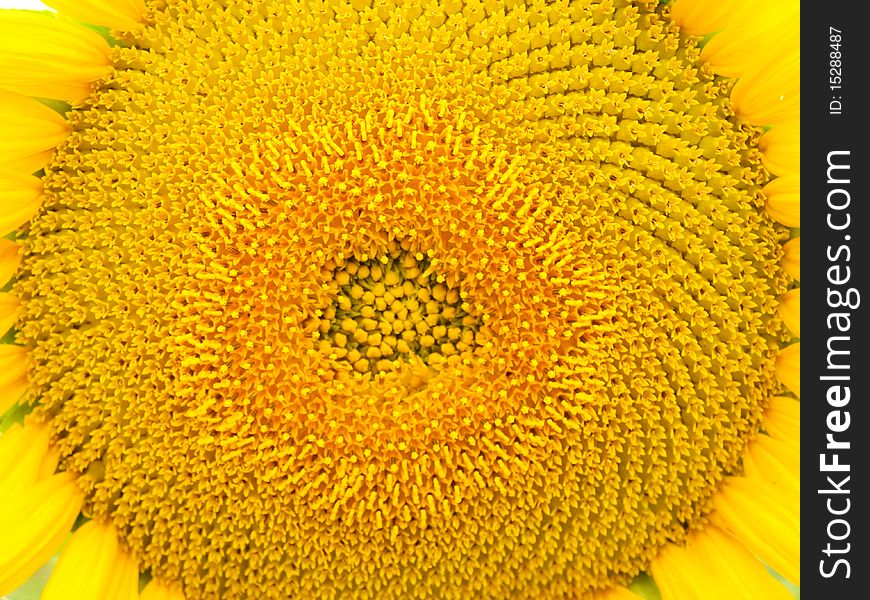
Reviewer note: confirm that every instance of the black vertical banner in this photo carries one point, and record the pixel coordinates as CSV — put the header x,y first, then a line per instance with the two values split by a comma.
x,y
835,368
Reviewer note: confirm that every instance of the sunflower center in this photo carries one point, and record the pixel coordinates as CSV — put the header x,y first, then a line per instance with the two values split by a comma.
x,y
402,300
389,309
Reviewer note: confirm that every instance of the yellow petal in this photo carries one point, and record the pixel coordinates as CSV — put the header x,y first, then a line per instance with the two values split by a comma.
x,y
616,593
713,566
782,148
9,260
91,567
124,583
764,518
49,464
30,163
49,57
700,17
788,368
157,590
30,132
22,450
773,28
782,420
791,260
775,462
790,309
674,574
123,15
769,93
784,200
9,308
35,528
20,198
13,375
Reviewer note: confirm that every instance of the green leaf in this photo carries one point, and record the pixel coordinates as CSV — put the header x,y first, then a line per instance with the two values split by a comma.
x,y
645,587
32,588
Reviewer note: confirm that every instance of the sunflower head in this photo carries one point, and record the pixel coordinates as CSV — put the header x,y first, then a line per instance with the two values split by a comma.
x,y
398,300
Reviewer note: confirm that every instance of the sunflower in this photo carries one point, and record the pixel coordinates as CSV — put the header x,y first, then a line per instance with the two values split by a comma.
x,y
395,299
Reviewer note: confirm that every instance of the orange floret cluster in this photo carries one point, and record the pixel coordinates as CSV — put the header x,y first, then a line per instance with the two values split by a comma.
x,y
380,299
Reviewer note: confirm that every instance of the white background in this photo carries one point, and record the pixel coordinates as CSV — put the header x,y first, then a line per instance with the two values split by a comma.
x,y
35,4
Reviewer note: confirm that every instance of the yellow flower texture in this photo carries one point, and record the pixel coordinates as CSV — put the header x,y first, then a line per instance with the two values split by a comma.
x,y
400,300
